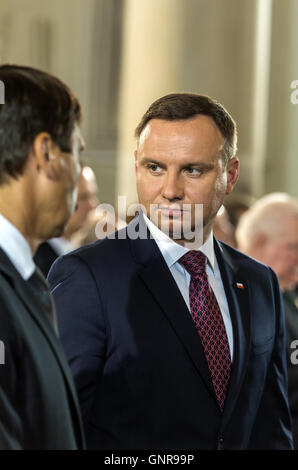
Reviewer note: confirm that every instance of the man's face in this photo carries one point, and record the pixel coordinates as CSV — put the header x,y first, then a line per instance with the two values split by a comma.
x,y
60,187
281,253
87,201
180,162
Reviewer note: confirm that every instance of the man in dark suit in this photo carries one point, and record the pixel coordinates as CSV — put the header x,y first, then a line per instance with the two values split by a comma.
x,y
268,231
40,143
175,340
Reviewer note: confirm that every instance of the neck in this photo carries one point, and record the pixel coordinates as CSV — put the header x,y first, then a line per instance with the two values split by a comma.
x,y
15,207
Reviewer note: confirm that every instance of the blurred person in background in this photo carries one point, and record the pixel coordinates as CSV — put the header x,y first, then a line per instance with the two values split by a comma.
x,y
236,205
86,203
102,222
40,143
80,222
223,230
268,231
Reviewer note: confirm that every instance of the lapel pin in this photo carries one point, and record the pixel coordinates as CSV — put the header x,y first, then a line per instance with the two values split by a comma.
x,y
239,285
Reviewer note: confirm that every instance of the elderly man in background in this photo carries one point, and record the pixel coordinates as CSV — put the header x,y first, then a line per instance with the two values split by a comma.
x,y
268,231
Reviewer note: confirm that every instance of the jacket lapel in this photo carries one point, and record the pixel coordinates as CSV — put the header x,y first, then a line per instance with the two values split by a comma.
x,y
44,323
158,279
238,298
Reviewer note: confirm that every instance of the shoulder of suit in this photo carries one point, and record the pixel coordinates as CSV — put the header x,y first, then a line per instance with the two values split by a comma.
x,y
118,246
101,249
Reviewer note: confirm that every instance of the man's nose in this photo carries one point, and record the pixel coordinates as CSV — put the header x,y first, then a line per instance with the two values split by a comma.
x,y
173,187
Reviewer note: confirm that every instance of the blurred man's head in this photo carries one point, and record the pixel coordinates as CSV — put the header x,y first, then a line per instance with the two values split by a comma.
x,y
268,231
40,142
87,201
186,146
223,230
236,205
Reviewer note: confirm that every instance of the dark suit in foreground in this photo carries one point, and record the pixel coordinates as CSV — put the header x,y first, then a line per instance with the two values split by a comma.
x,y
44,257
138,362
38,403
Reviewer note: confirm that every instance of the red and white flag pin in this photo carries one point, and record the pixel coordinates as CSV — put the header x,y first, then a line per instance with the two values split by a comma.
x,y
239,285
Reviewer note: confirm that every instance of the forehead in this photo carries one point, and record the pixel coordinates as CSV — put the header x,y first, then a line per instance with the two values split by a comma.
x,y
291,228
192,136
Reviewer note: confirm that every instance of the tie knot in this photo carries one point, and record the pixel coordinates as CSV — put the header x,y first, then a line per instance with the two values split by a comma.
x,y
194,262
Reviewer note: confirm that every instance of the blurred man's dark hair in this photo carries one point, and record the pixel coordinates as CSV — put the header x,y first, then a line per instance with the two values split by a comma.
x,y
35,102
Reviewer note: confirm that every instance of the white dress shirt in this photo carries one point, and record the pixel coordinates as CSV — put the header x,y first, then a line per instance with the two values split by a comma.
x,y
61,245
172,252
16,248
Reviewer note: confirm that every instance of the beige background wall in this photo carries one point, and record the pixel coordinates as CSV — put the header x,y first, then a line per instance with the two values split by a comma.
x,y
194,45
79,41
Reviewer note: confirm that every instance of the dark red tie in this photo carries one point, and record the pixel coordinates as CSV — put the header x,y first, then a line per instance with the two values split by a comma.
x,y
209,322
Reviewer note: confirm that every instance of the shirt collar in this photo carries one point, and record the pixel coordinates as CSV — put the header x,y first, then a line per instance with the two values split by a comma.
x,y
61,245
16,248
172,251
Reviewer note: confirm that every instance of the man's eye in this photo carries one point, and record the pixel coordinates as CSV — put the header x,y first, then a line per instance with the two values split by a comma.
x,y
193,171
154,168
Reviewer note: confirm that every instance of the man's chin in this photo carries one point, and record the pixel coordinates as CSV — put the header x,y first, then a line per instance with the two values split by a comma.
x,y
180,232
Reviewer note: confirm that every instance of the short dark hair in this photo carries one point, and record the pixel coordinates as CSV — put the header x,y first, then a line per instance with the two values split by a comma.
x,y
183,106
35,102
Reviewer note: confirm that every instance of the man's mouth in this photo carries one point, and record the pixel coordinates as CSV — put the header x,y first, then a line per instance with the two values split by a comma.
x,y
171,211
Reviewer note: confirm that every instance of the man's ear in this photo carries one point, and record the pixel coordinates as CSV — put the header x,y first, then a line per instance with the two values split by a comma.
x,y
232,174
43,154
259,241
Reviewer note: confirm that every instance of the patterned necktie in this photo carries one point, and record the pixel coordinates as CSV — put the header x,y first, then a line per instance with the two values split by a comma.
x,y
40,290
208,319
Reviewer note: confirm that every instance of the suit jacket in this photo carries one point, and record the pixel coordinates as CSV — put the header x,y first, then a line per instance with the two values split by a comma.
x,y
39,408
138,362
291,312
44,257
